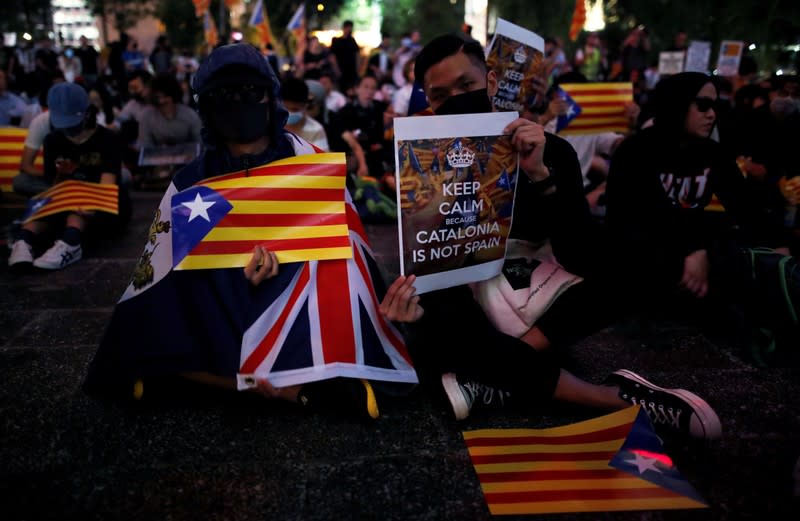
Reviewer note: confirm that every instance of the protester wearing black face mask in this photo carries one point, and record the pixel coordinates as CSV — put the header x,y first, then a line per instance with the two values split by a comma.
x,y
76,149
477,365
194,321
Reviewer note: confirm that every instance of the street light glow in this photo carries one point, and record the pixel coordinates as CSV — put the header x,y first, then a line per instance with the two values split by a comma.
x,y
320,7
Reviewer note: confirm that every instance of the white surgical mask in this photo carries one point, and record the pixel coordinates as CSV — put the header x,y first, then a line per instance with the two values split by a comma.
x,y
295,118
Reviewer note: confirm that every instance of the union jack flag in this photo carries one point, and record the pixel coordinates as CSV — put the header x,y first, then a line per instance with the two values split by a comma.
x,y
325,323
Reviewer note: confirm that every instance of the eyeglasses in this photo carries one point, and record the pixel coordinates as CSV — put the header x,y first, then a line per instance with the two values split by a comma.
x,y
247,93
705,104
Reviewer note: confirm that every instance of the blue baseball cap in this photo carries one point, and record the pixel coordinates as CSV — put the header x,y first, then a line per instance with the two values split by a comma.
x,y
67,103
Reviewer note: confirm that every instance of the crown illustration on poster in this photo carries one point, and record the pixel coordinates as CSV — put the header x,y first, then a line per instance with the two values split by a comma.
x,y
460,156
519,55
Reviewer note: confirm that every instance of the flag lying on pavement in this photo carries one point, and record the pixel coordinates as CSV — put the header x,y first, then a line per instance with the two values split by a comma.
x,y
615,462
294,207
73,196
602,107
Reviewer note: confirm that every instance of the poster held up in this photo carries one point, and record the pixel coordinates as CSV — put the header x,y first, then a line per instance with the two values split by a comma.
x,y
671,62
457,178
730,56
516,55
698,56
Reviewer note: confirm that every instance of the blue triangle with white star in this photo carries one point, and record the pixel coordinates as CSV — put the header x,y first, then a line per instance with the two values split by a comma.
x,y
195,212
573,110
34,205
642,455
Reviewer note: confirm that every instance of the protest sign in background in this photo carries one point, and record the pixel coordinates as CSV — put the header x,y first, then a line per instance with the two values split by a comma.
x,y
516,55
730,55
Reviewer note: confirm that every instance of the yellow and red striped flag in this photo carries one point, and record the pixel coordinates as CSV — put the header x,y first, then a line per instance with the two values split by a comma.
x,y
611,463
294,207
200,7
602,107
73,196
210,29
260,20
12,143
578,19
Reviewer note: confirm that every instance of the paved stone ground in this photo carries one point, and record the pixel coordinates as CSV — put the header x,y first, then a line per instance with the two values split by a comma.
x,y
65,456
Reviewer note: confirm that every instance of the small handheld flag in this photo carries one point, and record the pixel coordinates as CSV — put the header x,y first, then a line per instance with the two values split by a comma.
x,y
260,20
73,196
294,207
602,107
297,25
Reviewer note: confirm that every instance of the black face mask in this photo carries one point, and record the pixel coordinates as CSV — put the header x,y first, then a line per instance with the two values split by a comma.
x,y
472,102
139,97
240,123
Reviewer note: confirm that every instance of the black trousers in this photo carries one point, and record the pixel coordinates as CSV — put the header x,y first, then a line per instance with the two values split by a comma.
x,y
454,335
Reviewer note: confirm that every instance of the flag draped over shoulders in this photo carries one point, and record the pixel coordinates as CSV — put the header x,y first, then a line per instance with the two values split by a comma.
x,y
213,320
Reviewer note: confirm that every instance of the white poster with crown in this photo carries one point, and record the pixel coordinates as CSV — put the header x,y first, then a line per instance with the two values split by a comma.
x,y
457,177
516,55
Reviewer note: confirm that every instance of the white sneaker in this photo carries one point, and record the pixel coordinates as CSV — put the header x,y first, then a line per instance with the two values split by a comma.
x,y
21,252
60,255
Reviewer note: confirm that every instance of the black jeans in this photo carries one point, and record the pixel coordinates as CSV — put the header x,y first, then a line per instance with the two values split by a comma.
x,y
454,335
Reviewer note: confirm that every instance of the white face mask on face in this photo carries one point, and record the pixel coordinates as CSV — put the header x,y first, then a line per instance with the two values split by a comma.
x,y
295,118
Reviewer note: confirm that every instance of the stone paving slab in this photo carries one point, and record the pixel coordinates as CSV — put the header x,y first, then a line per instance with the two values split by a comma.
x,y
232,456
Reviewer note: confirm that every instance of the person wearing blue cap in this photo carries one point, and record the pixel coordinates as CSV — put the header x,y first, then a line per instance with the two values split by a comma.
x,y
76,149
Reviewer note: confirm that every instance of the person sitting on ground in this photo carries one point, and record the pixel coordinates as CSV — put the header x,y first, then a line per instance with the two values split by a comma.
x,y
476,363
339,139
660,182
77,149
334,99
296,100
12,107
168,121
30,180
193,322
364,118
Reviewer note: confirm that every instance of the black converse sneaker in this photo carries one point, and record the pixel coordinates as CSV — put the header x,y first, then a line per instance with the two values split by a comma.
x,y
675,410
463,395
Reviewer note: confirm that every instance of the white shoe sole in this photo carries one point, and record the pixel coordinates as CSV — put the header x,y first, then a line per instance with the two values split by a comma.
x,y
455,396
707,418
43,266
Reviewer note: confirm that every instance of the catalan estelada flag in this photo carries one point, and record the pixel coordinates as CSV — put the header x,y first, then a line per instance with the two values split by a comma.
x,y
602,107
260,20
73,196
293,207
12,143
612,463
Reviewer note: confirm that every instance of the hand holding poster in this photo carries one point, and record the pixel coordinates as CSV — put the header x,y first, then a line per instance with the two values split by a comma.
x,y
516,56
456,197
